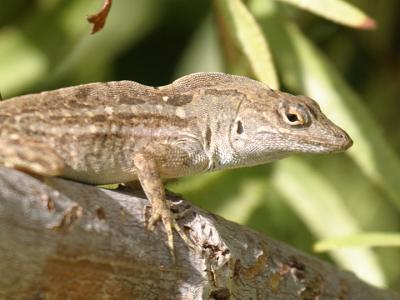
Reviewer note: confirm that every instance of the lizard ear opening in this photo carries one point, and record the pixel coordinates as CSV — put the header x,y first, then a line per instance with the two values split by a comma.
x,y
239,128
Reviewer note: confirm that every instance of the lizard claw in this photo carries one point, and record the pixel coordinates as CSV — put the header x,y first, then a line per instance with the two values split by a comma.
x,y
169,220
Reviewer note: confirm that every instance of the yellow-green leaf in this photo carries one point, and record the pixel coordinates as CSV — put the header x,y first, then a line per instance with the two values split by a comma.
x,y
305,70
321,82
251,40
372,239
110,186
337,11
321,207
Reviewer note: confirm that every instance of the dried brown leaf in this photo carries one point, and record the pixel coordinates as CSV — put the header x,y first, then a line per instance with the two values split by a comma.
x,y
99,19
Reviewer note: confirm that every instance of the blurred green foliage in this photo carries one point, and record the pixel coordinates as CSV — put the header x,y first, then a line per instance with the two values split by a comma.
x,y
353,74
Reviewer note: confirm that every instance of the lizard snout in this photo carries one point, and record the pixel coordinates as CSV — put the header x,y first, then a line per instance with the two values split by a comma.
x,y
347,142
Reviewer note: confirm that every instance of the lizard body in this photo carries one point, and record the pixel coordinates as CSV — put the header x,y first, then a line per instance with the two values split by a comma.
x,y
115,132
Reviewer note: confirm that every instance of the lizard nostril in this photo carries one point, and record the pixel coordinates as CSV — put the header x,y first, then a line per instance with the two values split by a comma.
x,y
347,141
344,140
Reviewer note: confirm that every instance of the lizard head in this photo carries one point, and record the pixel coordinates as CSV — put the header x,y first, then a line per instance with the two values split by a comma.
x,y
268,129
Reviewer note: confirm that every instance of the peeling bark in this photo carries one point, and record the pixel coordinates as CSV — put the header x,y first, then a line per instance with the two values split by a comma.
x,y
65,240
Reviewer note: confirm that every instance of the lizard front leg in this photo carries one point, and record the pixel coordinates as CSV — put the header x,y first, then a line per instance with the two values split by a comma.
x,y
149,176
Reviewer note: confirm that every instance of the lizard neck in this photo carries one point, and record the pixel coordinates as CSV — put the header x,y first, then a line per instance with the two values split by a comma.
x,y
221,155
215,124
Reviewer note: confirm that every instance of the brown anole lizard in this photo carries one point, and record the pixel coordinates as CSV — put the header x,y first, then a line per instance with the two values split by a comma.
x,y
115,132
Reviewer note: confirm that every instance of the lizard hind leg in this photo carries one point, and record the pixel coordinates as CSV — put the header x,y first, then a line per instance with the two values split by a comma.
x,y
31,157
153,187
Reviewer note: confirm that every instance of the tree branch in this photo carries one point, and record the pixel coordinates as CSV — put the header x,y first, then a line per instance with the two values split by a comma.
x,y
66,240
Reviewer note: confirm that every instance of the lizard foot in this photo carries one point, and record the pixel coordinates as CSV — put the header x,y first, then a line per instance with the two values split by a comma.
x,y
148,173
164,213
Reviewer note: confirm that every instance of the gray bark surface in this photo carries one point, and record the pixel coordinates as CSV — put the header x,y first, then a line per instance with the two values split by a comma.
x,y
65,240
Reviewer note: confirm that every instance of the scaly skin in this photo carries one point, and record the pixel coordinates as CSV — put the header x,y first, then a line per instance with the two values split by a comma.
x,y
115,132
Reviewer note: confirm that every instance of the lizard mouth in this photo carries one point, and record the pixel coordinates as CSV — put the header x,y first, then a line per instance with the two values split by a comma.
x,y
339,143
332,142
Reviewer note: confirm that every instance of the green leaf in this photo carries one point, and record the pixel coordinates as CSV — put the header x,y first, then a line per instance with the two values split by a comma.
x,y
337,11
305,70
22,64
203,53
127,22
372,239
240,207
322,82
251,40
109,186
319,204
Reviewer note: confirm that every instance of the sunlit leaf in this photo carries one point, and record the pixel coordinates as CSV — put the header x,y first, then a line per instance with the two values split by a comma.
x,y
322,82
320,206
372,239
305,70
251,40
109,186
336,10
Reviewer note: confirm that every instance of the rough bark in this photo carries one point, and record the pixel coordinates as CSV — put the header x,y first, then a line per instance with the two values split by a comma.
x,y
65,240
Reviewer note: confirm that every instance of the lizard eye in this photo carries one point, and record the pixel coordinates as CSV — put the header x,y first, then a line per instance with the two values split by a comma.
x,y
293,118
295,115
